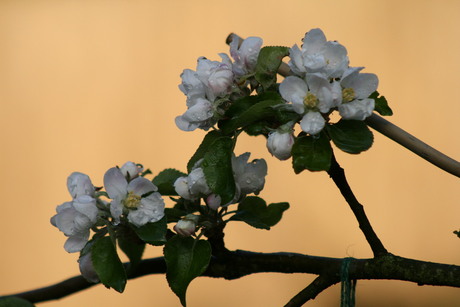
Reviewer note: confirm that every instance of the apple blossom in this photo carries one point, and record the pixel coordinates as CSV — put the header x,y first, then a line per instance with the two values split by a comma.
x,y
137,198
75,219
357,87
318,55
245,55
249,176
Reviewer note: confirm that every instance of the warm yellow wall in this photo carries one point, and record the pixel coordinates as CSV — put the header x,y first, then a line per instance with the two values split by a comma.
x,y
86,85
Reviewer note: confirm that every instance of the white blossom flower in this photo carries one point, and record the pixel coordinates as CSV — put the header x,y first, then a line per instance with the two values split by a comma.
x,y
131,170
211,80
80,184
310,97
249,176
245,55
74,219
217,77
280,143
194,185
357,87
138,198
318,55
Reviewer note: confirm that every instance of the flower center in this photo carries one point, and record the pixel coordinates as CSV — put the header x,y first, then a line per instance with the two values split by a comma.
x,y
310,101
348,94
132,201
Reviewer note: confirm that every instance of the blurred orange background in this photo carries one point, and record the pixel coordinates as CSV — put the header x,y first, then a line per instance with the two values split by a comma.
x,y
86,85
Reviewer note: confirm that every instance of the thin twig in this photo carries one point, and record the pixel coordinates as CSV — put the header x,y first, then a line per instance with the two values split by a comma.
x,y
338,176
321,283
395,133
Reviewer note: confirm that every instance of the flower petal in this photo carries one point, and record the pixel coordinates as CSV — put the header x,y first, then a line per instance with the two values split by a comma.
x,y
141,186
115,183
76,243
294,89
312,123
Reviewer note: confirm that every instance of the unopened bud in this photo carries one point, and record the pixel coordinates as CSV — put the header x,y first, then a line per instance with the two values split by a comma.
x,y
280,144
186,227
87,268
213,201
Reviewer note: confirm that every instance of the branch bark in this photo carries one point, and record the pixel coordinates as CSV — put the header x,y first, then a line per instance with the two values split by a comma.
x,y
236,264
338,176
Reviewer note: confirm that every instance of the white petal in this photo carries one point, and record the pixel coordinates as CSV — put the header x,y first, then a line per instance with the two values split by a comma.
x,y
294,89
184,124
199,112
65,221
321,88
312,123
141,186
151,210
337,59
116,209
115,183
86,205
76,243
313,41
181,187
131,169
79,184
296,62
357,109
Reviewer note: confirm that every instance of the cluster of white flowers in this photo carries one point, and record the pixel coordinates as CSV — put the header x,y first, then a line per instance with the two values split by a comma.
x,y
133,196
249,178
323,81
210,85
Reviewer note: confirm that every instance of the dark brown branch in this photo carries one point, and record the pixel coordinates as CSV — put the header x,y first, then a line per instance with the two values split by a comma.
x,y
237,264
321,283
338,176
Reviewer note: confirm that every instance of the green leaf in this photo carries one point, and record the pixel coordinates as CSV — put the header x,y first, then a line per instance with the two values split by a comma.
x,y
311,152
186,258
259,111
254,211
14,301
217,168
352,136
203,148
132,249
107,264
165,181
153,233
268,62
381,104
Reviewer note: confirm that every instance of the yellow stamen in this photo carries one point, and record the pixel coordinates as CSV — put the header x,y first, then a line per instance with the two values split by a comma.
x,y
348,94
310,101
132,201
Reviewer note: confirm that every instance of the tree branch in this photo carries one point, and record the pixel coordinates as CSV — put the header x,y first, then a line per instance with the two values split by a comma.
x,y
338,176
239,263
321,283
393,132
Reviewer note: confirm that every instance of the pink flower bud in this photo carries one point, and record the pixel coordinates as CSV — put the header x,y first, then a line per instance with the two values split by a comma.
x,y
213,201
